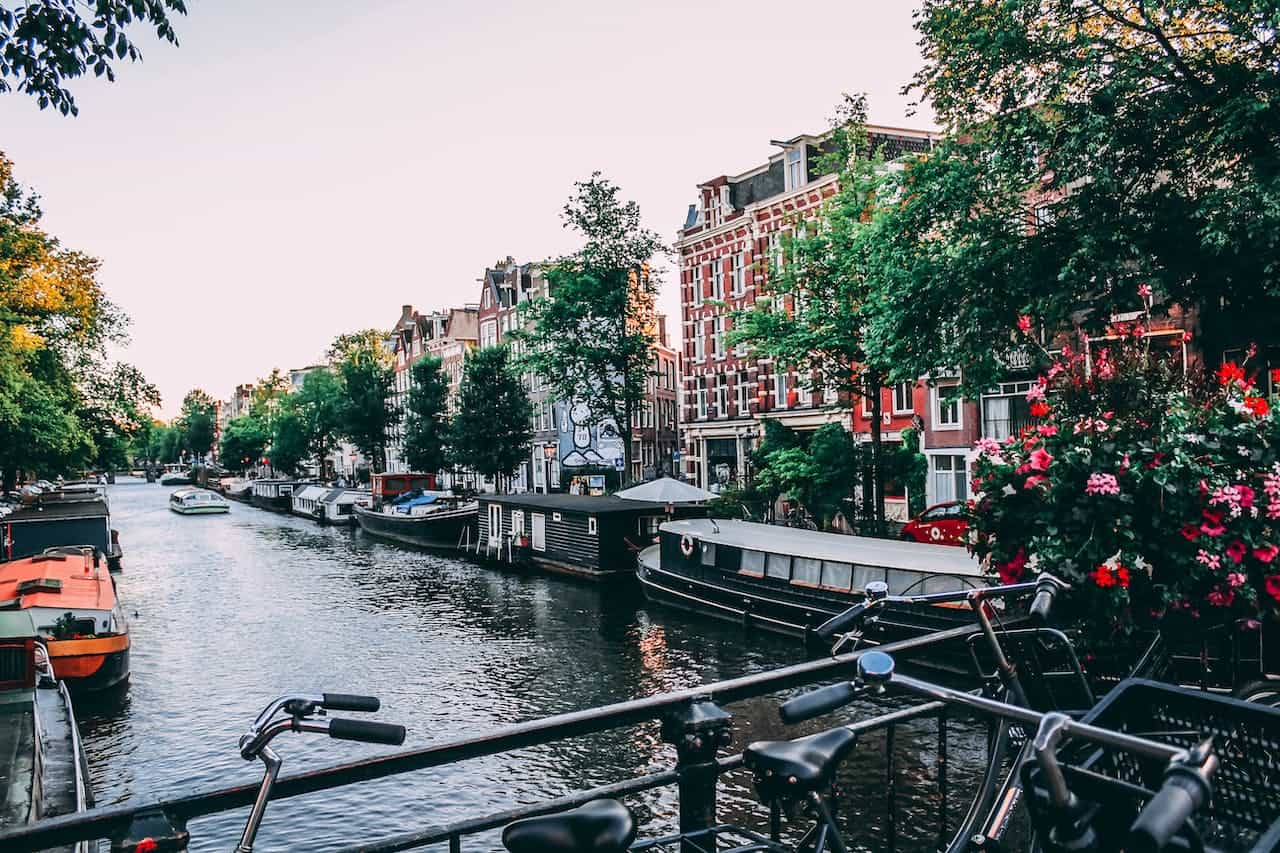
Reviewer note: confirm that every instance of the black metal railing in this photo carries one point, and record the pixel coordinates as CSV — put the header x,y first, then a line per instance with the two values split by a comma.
x,y
691,720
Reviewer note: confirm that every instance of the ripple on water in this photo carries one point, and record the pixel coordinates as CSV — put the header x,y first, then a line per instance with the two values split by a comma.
x,y
233,610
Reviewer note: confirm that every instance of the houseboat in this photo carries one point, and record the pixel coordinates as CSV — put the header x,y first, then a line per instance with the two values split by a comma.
x,y
790,581
72,601
42,760
338,505
236,488
306,501
593,537
192,501
421,517
51,518
176,475
274,494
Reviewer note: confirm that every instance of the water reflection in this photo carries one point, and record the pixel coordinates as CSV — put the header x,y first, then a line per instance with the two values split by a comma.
x,y
233,610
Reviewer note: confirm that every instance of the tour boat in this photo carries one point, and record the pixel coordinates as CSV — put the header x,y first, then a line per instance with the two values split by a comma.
x,y
72,600
789,581
198,502
42,760
421,517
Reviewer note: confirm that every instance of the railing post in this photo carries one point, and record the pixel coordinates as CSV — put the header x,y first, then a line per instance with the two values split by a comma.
x,y
697,730
153,831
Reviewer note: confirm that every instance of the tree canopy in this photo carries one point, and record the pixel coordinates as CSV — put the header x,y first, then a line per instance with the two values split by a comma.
x,y
198,421
363,363
45,43
319,405
593,337
244,442
426,428
490,432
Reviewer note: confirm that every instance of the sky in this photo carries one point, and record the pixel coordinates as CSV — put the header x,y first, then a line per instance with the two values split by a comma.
x,y
296,169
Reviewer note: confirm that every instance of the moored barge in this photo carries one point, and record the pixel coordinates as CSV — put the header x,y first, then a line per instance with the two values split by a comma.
x,y
72,515
789,581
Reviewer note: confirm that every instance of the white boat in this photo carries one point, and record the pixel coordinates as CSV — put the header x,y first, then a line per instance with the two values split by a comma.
x,y
336,506
176,475
198,502
305,501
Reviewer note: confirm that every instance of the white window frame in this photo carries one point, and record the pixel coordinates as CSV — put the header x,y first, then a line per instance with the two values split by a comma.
x,y
936,494
717,279
780,389
722,395
538,531
911,389
702,396
737,275
717,338
740,394
696,272
939,393
793,167
699,344
593,526
517,522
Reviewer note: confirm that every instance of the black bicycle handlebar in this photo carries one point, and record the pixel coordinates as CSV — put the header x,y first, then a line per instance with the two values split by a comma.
x,y
815,703
1046,591
1184,791
350,702
840,621
366,731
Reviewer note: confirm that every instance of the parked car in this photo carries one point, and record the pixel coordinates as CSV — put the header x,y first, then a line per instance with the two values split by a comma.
x,y
940,524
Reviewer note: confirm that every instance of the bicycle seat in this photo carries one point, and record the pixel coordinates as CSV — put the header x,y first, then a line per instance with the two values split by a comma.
x,y
600,826
790,767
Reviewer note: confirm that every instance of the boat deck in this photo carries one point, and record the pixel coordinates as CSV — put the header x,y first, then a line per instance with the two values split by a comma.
x,y
17,758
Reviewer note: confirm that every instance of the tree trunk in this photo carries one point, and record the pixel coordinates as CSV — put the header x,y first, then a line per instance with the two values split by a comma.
x,y
10,479
626,442
877,452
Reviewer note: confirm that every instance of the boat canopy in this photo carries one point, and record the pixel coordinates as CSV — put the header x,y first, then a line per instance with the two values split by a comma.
x,y
342,496
310,493
420,500
834,547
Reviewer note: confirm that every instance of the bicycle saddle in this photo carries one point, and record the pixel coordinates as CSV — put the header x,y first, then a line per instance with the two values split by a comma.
x,y
600,826
789,767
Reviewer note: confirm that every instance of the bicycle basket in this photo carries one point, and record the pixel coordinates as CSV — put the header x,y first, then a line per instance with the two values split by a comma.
x,y
1244,815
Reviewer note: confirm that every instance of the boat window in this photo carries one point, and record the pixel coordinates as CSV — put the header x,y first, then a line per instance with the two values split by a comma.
x,y
728,558
807,570
753,563
779,566
837,575
900,581
944,583
863,575
708,553
592,526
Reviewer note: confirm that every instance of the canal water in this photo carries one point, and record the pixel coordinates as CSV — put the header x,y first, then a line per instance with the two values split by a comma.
x,y
230,611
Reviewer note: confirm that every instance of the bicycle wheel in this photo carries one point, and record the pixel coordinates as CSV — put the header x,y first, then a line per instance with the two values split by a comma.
x,y
1263,692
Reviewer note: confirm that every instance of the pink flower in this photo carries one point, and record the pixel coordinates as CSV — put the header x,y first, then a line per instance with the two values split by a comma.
x,y
1047,430
1144,290
1212,524
1040,460
1266,553
1102,484
1207,559
1035,480
1024,324
989,447
1218,598
1236,580
1273,586
1036,391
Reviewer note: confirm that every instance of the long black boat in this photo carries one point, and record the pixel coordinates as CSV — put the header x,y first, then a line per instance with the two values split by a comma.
x,y
75,514
790,581
439,524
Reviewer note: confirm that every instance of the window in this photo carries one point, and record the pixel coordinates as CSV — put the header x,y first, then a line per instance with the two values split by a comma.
x,y
775,252
517,522
702,396
753,563
717,209
795,168
696,280
837,575
778,566
950,478
946,407
740,393
722,394
708,554
699,344
717,337
780,390
1007,411
538,536
592,527
902,398
738,278
807,571
717,279
804,394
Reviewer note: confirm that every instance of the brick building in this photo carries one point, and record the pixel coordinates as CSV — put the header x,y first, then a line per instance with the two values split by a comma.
x,y
730,237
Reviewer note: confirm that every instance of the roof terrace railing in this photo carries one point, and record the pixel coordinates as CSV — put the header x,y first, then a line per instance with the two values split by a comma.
x,y
691,720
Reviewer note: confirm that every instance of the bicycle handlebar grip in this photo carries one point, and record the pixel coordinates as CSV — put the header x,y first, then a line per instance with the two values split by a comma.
x,y
366,731
351,702
1184,791
839,622
1046,590
815,703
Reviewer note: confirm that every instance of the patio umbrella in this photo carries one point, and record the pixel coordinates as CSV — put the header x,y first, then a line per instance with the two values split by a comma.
x,y
666,490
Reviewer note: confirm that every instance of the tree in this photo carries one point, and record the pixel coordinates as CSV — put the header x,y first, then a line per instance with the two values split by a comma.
x,y
426,428
1094,146
115,407
244,442
490,432
319,406
820,473
592,339
198,421
45,42
816,311
289,444
363,363
267,394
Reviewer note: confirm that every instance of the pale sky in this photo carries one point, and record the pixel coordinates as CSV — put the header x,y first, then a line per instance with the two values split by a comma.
x,y
297,169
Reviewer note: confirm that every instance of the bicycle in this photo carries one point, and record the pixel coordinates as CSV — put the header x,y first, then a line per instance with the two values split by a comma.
x,y
297,713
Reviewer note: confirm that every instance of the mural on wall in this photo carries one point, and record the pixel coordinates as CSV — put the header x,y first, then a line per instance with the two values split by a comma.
x,y
585,443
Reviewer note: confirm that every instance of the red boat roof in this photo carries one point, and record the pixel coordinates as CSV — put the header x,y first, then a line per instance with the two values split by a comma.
x,y
71,582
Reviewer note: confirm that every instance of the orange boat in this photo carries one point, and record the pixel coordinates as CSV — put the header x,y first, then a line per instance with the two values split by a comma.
x,y
72,600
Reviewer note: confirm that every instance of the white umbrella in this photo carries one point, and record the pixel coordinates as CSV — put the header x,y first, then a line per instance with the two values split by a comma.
x,y
666,490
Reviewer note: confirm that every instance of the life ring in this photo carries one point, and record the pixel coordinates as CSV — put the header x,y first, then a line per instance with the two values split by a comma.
x,y
935,533
686,545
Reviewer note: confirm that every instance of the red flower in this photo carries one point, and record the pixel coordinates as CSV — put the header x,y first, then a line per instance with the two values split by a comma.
x,y
1039,409
1212,525
1190,532
1257,405
1275,376
1236,551
1024,324
1122,575
1273,586
1103,577
1230,372
1266,553
1011,572
1040,460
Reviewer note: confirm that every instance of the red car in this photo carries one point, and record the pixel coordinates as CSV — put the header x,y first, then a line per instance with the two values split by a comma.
x,y
941,524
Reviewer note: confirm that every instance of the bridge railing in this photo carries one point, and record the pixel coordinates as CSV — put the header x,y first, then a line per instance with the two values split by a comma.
x,y
692,721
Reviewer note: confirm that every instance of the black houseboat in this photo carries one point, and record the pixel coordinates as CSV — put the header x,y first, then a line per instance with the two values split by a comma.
x,y
789,581
274,494
73,515
406,508
590,537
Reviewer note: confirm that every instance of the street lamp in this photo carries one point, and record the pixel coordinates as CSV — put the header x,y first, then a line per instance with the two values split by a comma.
x,y
548,453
